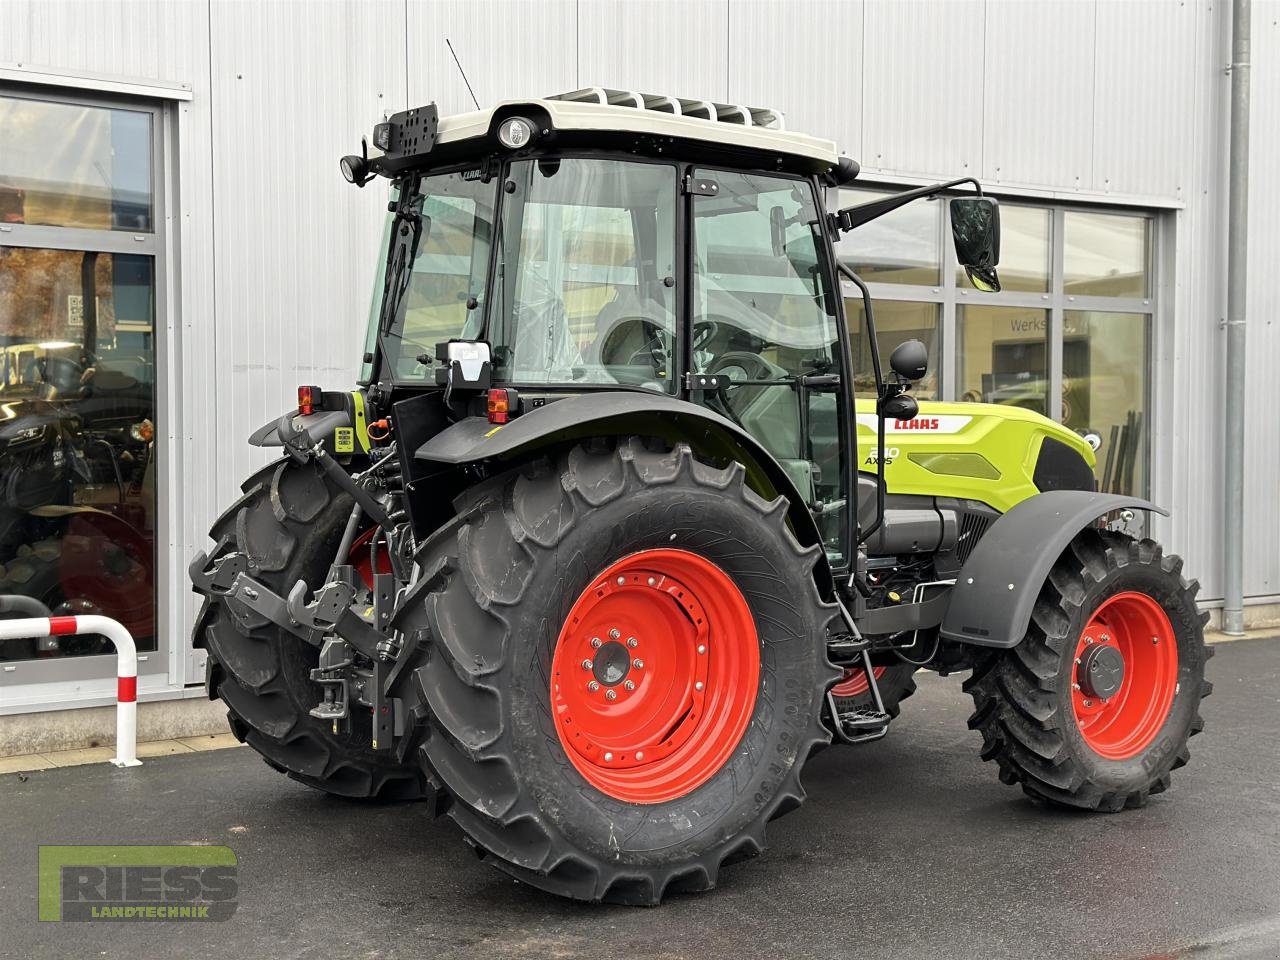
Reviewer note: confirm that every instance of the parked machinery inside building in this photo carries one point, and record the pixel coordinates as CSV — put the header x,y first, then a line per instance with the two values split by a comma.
x,y
603,546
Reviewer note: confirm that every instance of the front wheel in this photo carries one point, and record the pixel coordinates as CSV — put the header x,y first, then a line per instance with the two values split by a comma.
x,y
625,672
1094,707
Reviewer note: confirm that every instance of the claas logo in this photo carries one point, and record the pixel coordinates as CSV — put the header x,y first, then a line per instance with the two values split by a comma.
x,y
920,423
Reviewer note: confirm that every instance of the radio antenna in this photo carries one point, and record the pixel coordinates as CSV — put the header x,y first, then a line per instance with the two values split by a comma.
x,y
463,72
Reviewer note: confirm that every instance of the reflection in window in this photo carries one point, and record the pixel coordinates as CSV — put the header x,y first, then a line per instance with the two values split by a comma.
x,y
77,423
900,247
1105,255
895,322
72,165
1104,391
1002,356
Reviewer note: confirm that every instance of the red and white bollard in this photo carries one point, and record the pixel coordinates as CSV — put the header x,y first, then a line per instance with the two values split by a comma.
x,y
126,668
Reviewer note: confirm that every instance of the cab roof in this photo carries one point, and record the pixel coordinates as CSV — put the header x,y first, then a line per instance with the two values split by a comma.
x,y
605,110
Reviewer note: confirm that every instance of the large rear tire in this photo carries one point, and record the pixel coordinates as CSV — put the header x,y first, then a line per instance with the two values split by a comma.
x,y
625,671
1094,707
288,524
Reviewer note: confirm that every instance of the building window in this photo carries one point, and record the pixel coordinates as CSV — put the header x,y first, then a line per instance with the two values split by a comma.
x,y
80,245
1069,335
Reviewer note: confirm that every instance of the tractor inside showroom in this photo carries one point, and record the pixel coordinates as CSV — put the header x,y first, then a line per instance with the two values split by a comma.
x,y
603,547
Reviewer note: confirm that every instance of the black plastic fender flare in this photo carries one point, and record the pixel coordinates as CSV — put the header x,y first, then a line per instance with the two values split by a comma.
x,y
996,589
618,413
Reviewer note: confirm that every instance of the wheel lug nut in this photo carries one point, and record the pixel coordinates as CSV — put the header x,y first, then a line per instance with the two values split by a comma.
x,y
611,694
632,642
593,686
595,642
638,664
1075,686
614,634
586,664
630,684
621,581
702,648
1088,703
652,581
608,757
699,685
639,754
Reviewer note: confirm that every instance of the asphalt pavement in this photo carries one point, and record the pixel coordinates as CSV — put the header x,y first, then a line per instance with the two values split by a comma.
x,y
906,848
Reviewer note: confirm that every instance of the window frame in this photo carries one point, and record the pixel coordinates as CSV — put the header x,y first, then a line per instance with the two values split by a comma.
x,y
950,294
37,685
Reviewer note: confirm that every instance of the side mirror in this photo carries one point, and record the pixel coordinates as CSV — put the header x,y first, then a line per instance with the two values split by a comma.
x,y
910,360
975,229
777,231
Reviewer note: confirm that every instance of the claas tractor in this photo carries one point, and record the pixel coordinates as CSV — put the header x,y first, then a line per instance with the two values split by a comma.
x,y
603,545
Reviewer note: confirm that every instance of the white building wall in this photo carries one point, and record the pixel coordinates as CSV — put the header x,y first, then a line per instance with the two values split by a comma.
x,y
1089,99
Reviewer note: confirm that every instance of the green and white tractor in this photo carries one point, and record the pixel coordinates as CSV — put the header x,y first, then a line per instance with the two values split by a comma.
x,y
602,546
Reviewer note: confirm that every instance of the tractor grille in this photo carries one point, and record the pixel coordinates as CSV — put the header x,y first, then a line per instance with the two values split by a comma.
x,y
972,527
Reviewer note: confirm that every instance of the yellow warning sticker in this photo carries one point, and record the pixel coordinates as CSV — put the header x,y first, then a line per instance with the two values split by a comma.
x,y
344,440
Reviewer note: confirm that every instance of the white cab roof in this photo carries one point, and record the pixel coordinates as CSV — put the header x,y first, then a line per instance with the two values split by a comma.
x,y
604,109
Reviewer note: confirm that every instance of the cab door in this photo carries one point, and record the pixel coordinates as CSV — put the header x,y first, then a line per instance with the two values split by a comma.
x,y
764,316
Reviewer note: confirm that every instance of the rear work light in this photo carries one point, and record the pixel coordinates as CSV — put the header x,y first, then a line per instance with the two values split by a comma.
x,y
503,404
308,399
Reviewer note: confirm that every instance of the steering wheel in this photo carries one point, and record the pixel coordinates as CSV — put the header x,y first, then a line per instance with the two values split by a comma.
x,y
756,366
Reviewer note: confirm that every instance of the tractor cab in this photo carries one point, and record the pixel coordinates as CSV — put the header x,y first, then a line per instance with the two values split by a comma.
x,y
608,241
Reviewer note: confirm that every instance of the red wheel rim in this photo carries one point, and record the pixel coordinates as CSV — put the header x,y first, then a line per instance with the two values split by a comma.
x,y
1122,725
654,676
855,682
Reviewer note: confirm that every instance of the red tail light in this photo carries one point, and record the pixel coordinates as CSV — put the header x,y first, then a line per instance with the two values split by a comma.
x,y
308,399
503,404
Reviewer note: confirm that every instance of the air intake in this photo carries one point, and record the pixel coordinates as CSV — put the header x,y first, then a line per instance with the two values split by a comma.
x,y
679,106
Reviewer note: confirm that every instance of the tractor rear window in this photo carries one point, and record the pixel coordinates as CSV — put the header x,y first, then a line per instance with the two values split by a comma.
x,y
586,266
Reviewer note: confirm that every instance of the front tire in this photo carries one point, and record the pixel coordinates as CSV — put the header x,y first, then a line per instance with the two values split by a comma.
x,y
1094,707
626,797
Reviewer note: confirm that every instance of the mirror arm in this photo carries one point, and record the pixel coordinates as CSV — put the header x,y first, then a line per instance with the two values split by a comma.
x,y
851,217
875,365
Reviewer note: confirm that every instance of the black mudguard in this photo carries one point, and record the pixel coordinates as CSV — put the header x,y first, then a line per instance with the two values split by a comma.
x,y
996,589
622,413
340,426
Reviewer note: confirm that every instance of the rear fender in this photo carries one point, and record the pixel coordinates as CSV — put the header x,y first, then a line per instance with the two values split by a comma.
x,y
621,414
996,590
342,426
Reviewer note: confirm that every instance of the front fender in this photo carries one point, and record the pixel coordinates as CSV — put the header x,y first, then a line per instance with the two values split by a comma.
x,y
996,589
623,413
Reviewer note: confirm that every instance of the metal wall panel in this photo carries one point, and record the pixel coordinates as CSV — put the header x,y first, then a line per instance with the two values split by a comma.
x,y
294,243
1187,443
15,30
922,88
507,49
1142,96
1262,459
772,63
1037,103
673,47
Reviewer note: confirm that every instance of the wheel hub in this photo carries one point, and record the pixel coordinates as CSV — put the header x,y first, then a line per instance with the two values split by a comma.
x,y
654,675
611,664
1101,671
